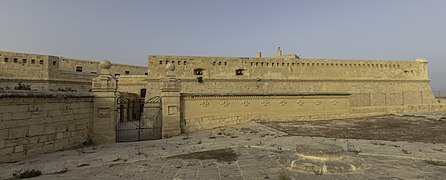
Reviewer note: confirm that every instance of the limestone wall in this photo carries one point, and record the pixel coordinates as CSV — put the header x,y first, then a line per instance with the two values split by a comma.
x,y
289,68
200,112
33,123
371,82
54,73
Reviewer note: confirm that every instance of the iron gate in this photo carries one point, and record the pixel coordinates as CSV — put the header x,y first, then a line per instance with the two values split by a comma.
x,y
137,121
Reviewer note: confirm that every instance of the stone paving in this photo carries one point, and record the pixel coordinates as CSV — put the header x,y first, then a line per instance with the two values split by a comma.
x,y
261,152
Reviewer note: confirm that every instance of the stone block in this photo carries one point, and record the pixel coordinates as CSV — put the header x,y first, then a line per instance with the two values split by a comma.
x,y
36,130
17,156
18,148
59,135
6,116
4,158
2,144
18,132
49,129
6,151
21,115
34,151
61,127
4,134
60,144
48,148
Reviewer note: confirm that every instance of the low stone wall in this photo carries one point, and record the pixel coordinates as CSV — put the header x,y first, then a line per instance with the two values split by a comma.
x,y
200,111
32,123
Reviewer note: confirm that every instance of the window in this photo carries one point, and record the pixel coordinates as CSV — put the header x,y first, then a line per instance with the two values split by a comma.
x,y
15,60
146,74
116,75
161,62
41,61
5,59
78,69
33,61
54,63
198,71
143,92
239,72
127,72
24,60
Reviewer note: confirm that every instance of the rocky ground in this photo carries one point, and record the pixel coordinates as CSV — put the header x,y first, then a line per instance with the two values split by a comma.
x,y
410,146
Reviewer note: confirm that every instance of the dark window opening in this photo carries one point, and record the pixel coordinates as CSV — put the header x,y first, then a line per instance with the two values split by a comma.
x,y
33,61
5,59
41,61
198,71
15,60
146,74
184,62
239,72
116,75
78,69
161,62
24,60
179,62
54,63
226,63
143,92
127,72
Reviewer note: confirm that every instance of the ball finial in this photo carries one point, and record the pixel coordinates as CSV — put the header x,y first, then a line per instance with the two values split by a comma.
x,y
105,64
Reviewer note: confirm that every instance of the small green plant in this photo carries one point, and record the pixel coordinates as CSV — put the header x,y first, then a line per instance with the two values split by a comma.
x,y
20,174
21,86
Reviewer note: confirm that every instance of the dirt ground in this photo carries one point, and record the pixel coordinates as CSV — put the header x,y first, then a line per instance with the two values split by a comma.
x,y
391,128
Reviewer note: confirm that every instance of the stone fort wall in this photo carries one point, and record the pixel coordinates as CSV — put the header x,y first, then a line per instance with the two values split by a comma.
x,y
33,123
370,82
46,72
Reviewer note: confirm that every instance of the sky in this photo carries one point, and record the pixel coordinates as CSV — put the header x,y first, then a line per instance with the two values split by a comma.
x,y
128,31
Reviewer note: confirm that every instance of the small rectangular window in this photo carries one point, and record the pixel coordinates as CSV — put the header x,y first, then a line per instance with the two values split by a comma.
x,y
146,74
24,60
33,61
54,63
6,59
41,61
116,75
78,69
15,60
127,72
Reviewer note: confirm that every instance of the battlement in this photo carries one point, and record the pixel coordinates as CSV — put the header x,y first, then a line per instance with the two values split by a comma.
x,y
288,67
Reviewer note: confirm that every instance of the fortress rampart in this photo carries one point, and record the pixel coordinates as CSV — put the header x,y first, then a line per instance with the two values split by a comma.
x,y
370,82
55,73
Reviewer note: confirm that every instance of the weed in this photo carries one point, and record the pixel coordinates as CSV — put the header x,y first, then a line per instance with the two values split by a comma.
x,y
20,174
21,86
378,143
435,162
405,151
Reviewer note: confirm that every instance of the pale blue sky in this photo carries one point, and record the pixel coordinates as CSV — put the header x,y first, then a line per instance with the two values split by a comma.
x,y
127,31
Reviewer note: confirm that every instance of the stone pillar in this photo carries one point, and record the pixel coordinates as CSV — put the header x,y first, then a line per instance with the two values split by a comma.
x,y
170,103
104,115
